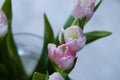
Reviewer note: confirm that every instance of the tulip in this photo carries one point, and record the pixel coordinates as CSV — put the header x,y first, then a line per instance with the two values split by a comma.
x,y
74,34
63,55
83,8
56,76
3,24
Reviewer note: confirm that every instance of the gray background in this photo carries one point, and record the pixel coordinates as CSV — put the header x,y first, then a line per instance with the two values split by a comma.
x,y
99,60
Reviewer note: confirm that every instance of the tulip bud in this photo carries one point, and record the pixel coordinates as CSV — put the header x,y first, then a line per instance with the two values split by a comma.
x,y
56,76
63,55
75,34
3,24
83,8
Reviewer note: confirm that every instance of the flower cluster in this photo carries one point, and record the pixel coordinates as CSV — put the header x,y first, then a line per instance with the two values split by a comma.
x,y
58,56
72,40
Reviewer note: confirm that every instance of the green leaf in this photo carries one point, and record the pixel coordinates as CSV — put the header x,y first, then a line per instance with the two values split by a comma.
x,y
69,22
72,21
3,71
47,76
92,36
43,62
38,76
75,22
48,33
82,22
98,4
10,57
7,8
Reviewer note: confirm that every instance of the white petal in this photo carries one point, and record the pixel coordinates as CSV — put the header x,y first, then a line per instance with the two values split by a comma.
x,y
56,76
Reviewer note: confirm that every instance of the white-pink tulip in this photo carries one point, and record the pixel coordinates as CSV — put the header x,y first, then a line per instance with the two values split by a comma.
x,y
3,24
74,34
56,76
82,8
63,55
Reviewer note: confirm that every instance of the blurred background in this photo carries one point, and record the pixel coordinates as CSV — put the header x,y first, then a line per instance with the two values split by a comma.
x,y
99,60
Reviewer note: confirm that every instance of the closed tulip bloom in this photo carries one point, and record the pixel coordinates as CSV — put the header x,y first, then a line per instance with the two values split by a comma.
x,y
83,8
74,34
3,24
63,55
56,76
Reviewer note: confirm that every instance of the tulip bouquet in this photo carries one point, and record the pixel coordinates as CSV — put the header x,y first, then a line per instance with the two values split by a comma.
x,y
58,56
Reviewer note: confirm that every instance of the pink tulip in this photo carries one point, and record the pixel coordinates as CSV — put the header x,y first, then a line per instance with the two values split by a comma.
x,y
82,8
74,34
3,24
56,76
63,55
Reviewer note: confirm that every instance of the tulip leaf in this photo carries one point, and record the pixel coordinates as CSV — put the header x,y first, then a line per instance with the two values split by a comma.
x,y
7,8
92,36
98,4
72,21
38,76
82,22
47,76
75,22
48,33
10,57
48,38
3,71
69,22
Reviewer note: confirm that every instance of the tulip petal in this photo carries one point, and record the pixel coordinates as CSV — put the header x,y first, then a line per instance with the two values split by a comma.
x,y
66,62
56,76
51,49
3,24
